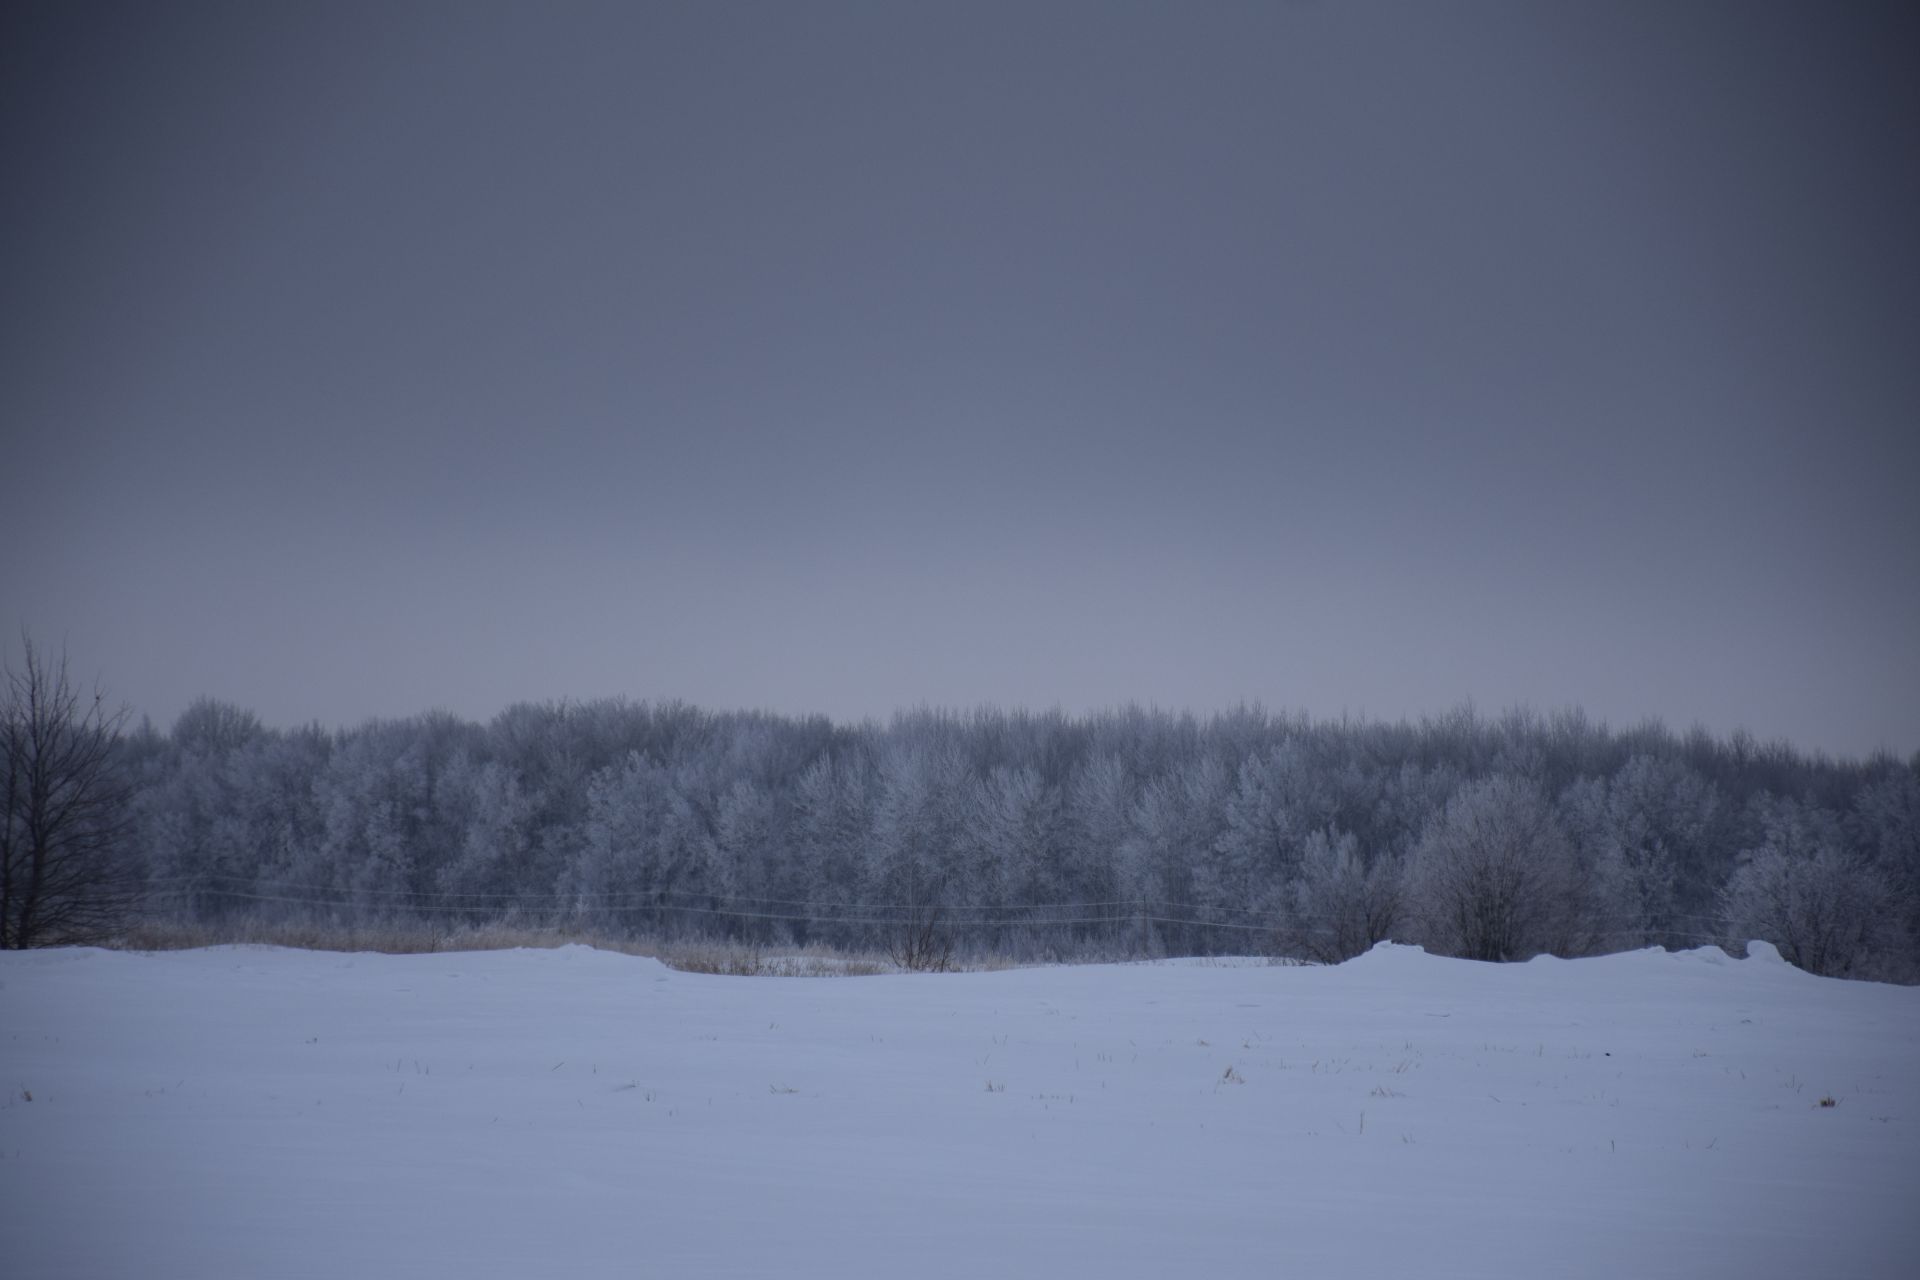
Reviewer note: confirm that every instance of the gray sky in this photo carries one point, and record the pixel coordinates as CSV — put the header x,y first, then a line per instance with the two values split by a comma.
x,y
357,359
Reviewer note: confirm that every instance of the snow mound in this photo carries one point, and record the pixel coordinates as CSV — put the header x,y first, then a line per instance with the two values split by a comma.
x,y
1397,953
1765,952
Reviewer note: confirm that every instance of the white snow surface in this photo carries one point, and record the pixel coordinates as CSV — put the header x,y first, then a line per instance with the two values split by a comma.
x,y
254,1112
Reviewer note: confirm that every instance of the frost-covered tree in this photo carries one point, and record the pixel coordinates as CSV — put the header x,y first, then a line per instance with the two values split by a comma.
x,y
1802,889
1177,823
1646,828
831,838
210,727
1022,833
494,861
1495,877
1278,797
1406,800
1019,830
750,835
648,858
1194,833
371,796
1885,826
917,874
1342,905
198,820
1100,806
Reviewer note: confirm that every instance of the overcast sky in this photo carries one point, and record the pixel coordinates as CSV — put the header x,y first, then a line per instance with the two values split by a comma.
x,y
359,359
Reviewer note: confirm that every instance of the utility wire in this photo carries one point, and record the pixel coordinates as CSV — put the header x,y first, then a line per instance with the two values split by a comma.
x,y
1063,914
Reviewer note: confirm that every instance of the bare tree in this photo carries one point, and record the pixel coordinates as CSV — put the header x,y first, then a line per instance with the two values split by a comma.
x,y
63,878
921,942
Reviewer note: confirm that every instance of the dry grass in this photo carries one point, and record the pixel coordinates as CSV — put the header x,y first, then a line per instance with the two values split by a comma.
x,y
172,935
730,958
691,955
744,960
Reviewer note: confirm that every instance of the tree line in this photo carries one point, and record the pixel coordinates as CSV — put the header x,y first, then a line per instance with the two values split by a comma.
x,y
1036,835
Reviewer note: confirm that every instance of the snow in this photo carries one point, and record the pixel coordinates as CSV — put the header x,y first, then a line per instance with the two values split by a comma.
x,y
252,1112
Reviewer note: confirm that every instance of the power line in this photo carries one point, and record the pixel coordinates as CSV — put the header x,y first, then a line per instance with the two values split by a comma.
x,y
354,896
647,896
1056,915
603,909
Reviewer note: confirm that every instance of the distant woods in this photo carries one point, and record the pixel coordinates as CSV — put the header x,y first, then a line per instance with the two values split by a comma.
x,y
942,835
1127,833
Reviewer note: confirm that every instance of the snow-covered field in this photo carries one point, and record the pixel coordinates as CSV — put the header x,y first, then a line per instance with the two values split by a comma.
x,y
248,1112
